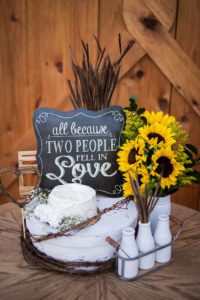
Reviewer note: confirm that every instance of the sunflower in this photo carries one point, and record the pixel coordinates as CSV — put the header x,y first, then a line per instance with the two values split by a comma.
x,y
156,134
153,118
131,153
166,166
127,189
143,176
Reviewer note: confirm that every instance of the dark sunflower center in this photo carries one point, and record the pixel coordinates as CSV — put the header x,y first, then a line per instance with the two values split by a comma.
x,y
156,135
132,156
165,168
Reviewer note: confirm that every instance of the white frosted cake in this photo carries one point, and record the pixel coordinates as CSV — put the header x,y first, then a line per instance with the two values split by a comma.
x,y
74,199
75,203
68,200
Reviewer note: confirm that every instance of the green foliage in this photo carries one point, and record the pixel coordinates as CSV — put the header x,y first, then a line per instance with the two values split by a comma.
x,y
195,174
186,155
133,104
133,99
191,162
41,194
123,138
179,134
134,107
168,191
41,197
70,222
192,148
134,120
140,110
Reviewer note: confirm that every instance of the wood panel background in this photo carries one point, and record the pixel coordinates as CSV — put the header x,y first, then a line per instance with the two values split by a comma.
x,y
35,36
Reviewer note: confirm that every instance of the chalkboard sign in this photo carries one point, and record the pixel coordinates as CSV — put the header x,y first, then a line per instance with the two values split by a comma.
x,y
79,146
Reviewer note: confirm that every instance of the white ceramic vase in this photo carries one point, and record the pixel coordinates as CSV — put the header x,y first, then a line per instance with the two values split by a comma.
x,y
145,243
129,246
163,207
162,236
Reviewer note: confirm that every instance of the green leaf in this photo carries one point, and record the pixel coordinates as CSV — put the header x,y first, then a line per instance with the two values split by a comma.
x,y
172,191
195,174
189,154
133,98
192,148
144,120
123,138
169,191
140,110
133,105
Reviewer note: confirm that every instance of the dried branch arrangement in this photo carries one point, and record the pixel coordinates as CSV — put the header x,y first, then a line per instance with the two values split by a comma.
x,y
144,202
94,84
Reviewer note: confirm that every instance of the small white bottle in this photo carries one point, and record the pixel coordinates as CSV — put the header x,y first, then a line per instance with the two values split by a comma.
x,y
128,250
163,236
145,243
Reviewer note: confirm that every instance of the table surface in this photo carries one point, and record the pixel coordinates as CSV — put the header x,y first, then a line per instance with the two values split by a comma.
x,y
19,280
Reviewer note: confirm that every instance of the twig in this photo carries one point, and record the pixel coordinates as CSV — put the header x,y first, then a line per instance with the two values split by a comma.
x,y
142,200
82,225
116,245
94,84
155,198
138,201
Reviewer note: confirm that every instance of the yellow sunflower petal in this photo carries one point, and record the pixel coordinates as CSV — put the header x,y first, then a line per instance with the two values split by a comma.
x,y
156,134
130,155
165,165
153,118
127,189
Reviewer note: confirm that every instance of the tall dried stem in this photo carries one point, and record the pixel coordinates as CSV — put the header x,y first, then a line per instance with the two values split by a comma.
x,y
94,84
144,204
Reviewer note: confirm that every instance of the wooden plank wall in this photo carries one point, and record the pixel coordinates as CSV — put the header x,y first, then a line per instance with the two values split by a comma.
x,y
35,36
